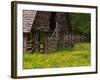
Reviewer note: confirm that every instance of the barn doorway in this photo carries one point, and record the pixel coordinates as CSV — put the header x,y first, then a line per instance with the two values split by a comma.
x,y
52,25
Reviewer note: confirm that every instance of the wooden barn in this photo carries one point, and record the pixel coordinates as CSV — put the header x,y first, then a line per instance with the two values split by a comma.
x,y
46,31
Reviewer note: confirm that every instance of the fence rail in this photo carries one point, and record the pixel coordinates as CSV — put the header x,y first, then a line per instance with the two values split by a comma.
x,y
52,44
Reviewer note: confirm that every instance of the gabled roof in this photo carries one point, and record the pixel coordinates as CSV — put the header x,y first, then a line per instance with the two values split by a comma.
x,y
28,19
41,21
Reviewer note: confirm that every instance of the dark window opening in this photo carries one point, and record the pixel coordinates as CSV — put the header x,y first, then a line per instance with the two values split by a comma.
x,y
52,21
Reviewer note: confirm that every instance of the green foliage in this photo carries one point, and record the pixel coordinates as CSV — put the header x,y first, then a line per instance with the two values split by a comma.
x,y
69,57
81,23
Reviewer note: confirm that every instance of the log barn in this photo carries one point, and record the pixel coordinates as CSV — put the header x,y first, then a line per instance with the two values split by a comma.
x,y
45,32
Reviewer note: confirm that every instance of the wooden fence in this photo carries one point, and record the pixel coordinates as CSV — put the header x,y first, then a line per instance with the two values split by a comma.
x,y
48,45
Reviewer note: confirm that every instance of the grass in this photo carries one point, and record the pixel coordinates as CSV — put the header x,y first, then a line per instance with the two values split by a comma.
x,y
79,55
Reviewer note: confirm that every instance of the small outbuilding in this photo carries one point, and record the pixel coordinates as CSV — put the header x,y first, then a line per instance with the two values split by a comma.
x,y
46,31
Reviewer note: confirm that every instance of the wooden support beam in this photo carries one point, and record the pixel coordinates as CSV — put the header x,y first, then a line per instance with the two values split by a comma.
x,y
36,37
46,42
25,42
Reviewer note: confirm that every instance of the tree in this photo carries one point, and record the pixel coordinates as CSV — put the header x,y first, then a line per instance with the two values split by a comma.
x,y
81,23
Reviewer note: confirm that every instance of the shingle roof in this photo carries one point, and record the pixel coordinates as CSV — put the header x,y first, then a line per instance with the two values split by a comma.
x,y
28,19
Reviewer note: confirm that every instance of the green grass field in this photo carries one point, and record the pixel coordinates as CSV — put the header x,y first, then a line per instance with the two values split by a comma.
x,y
79,55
